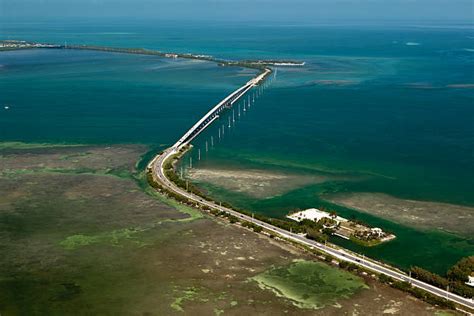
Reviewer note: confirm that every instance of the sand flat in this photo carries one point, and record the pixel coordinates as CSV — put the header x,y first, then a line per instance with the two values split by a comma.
x,y
453,218
257,183
95,243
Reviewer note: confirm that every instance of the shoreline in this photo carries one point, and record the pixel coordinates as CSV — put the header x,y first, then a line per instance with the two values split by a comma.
x,y
261,65
148,52
162,166
161,175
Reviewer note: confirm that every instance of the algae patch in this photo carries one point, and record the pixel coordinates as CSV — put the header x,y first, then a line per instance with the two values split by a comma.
x,y
118,236
188,294
310,285
114,237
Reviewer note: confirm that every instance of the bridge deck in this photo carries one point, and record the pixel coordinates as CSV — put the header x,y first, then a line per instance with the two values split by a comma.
x,y
212,115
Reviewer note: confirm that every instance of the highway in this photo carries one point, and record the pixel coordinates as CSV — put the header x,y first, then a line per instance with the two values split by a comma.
x,y
213,113
156,166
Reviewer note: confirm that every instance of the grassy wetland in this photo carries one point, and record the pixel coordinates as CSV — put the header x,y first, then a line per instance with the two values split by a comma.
x,y
82,232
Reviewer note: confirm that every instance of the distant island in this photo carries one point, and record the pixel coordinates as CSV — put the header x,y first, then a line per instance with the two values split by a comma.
x,y
308,229
16,44
255,64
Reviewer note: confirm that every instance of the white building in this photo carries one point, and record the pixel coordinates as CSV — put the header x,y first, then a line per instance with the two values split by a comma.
x,y
471,281
377,231
313,214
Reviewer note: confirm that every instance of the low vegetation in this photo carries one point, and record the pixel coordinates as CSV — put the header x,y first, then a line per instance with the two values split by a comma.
x,y
319,231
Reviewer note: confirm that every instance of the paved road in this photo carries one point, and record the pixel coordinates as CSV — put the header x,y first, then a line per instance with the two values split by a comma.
x,y
156,165
212,114
158,173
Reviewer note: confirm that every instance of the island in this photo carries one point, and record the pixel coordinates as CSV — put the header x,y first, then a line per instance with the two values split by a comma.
x,y
301,230
16,44
329,223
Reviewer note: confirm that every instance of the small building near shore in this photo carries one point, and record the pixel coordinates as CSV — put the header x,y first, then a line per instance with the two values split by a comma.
x,y
377,231
314,214
366,235
470,281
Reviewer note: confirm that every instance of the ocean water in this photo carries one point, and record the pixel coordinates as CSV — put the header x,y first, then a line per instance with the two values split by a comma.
x,y
390,104
95,97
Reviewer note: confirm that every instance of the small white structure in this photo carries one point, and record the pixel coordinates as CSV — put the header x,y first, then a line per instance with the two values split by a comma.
x,y
471,281
377,231
313,214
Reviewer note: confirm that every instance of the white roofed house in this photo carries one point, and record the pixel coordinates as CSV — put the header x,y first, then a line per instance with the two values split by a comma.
x,y
470,281
313,214
377,231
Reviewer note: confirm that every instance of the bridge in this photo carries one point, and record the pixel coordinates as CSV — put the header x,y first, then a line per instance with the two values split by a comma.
x,y
213,114
156,166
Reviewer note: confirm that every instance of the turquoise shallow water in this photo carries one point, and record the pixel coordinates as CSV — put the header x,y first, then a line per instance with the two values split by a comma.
x,y
369,103
401,124
86,96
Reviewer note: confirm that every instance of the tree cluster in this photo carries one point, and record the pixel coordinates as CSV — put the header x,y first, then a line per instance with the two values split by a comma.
x,y
455,280
462,270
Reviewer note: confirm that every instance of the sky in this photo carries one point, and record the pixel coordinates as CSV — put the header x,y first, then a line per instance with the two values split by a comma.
x,y
305,11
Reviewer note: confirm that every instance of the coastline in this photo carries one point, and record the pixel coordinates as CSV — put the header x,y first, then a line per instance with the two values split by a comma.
x,y
163,165
261,65
158,178
140,51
